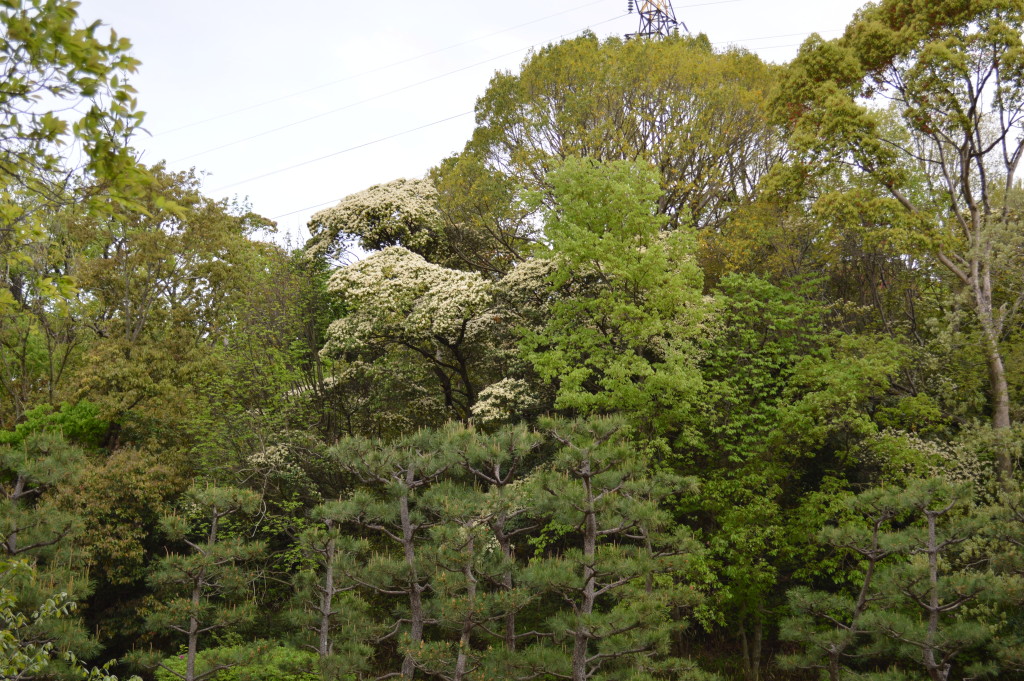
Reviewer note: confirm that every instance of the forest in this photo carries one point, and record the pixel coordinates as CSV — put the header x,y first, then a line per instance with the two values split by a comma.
x,y
689,366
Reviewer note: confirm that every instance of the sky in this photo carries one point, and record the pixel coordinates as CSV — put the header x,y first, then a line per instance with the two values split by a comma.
x,y
293,106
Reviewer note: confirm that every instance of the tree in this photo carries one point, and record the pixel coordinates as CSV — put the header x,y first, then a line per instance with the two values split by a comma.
x,y
917,580
34,528
334,615
399,305
393,478
622,569
400,213
32,523
207,589
699,118
945,153
24,654
828,623
628,307
927,591
66,97
160,282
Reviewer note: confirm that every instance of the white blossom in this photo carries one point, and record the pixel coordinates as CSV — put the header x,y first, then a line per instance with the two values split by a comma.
x,y
404,210
397,296
503,400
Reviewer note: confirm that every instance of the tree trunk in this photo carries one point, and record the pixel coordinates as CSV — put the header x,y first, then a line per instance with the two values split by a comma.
x,y
467,623
507,583
998,388
324,647
581,637
415,590
751,651
193,632
937,671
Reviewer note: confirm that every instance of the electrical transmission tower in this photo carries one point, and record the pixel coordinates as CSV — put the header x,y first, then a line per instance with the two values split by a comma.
x,y
657,19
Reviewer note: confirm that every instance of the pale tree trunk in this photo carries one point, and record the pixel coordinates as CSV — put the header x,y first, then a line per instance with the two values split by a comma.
x,y
582,635
326,610
193,634
938,669
415,589
462,660
507,581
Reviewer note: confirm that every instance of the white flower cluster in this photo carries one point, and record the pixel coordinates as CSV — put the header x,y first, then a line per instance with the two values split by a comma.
x,y
404,207
396,296
955,462
274,460
502,400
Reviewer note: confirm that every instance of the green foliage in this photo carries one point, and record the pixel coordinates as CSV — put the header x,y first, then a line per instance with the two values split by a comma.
x,y
697,116
916,599
620,334
767,343
26,651
255,661
623,568
78,423
207,589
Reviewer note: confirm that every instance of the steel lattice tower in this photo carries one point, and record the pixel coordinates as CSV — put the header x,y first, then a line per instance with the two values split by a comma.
x,y
657,19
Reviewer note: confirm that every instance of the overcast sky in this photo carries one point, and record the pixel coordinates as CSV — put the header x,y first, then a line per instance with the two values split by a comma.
x,y
244,89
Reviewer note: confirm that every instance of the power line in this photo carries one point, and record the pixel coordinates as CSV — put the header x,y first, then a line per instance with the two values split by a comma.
x,y
298,93
382,139
770,37
338,153
381,96
379,69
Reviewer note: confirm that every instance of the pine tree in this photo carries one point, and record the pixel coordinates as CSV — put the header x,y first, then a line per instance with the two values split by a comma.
x,y
206,589
620,564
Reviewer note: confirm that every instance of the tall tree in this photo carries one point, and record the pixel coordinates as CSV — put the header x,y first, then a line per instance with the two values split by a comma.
x,y
697,116
945,152
393,478
620,333
207,589
623,566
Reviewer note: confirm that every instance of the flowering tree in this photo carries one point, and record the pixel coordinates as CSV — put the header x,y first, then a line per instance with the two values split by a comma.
x,y
398,303
399,213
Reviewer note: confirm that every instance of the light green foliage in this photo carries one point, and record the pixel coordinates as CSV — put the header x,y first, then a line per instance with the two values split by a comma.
x,y
830,396
78,423
620,333
50,62
256,661
763,334
160,287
